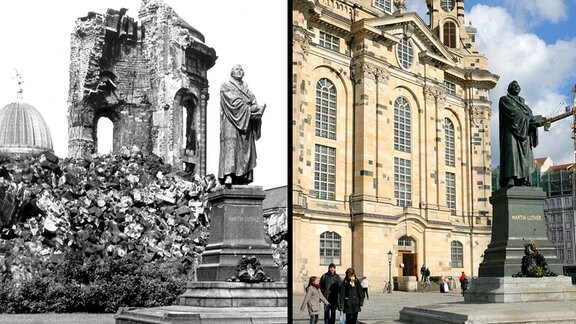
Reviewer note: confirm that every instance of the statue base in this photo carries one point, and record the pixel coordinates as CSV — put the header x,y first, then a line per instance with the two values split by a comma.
x,y
236,230
235,294
518,290
462,312
518,219
177,314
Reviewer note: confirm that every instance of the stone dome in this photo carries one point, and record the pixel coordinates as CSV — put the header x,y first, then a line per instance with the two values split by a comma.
x,y
23,130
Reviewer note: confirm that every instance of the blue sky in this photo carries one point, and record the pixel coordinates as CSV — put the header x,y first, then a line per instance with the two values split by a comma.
x,y
533,42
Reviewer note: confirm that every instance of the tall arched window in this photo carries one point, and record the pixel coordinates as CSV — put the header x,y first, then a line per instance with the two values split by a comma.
x,y
325,109
402,125
330,248
449,150
456,255
450,34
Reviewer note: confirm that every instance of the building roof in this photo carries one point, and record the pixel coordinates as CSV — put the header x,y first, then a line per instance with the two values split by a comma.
x,y
540,161
566,166
23,130
275,198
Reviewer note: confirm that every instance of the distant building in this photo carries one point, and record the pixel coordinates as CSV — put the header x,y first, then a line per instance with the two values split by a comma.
x,y
148,76
23,130
559,182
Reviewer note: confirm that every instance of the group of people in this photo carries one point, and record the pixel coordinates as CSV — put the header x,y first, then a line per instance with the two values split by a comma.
x,y
345,295
425,273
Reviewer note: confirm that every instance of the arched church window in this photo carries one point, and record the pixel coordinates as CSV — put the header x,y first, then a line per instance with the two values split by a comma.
x,y
330,245
325,109
449,142
450,34
456,255
402,132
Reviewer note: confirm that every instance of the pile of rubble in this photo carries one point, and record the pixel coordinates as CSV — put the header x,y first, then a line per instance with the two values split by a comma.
x,y
109,205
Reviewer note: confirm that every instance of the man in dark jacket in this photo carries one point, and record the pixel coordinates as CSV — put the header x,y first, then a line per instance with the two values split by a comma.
x,y
351,297
330,287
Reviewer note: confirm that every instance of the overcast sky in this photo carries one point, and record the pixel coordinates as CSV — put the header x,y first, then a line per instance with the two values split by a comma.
x,y
35,38
533,42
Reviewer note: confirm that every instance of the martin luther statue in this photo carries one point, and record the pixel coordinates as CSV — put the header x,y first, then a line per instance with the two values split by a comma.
x,y
240,123
518,135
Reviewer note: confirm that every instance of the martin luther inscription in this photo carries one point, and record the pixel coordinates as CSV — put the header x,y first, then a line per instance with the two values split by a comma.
x,y
527,217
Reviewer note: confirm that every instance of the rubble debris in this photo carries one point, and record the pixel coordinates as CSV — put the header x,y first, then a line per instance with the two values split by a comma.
x,y
101,205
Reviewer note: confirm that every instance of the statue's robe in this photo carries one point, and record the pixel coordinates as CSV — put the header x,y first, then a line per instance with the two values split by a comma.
x,y
518,135
238,132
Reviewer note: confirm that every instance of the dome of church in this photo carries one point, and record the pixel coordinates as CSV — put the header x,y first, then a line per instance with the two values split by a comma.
x,y
23,130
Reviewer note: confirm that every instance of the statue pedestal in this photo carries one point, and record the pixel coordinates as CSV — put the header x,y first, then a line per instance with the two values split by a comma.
x,y
518,218
497,297
236,230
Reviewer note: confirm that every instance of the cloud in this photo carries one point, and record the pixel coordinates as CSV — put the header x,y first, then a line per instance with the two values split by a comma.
x,y
549,10
420,8
540,68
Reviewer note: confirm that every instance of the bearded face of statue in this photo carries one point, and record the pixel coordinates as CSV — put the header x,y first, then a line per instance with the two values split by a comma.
x,y
514,88
237,72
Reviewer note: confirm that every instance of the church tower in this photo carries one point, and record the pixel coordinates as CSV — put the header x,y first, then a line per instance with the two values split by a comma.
x,y
448,24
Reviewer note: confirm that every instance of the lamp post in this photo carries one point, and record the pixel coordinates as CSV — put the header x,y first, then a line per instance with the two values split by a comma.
x,y
389,271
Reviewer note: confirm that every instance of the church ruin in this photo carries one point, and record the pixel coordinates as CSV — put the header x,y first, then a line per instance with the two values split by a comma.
x,y
148,77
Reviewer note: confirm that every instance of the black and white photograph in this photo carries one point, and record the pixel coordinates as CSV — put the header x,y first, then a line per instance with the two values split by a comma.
x,y
144,162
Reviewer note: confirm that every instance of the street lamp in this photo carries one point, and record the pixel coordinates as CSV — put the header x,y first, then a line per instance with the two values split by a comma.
x,y
389,271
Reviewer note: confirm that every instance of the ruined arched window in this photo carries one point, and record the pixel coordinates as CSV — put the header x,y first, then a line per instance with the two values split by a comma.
x,y
104,135
449,31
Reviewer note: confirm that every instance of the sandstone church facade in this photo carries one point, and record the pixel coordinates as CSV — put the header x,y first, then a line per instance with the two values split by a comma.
x,y
391,140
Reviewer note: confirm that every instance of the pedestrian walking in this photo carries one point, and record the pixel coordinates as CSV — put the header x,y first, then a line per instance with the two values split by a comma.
x,y
423,272
365,283
463,282
330,288
426,276
351,297
312,299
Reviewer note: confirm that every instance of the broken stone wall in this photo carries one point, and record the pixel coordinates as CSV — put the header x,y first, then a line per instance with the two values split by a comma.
x,y
148,76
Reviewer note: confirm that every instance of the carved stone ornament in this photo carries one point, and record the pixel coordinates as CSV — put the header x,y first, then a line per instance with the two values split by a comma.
x,y
533,263
249,270
435,93
369,71
301,37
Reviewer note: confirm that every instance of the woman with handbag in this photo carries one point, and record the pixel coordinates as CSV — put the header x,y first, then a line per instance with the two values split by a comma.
x,y
351,297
